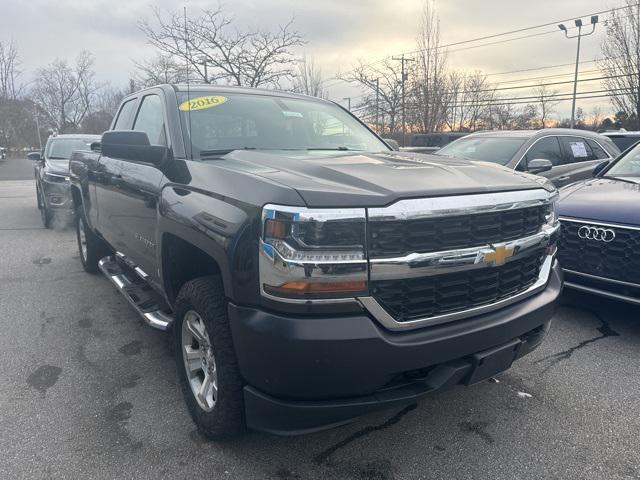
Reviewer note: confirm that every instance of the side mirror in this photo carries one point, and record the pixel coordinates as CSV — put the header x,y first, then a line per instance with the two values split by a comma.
x,y
539,165
131,145
35,156
599,168
392,143
96,147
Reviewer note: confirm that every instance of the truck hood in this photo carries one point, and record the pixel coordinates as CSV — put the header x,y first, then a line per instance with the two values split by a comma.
x,y
602,199
339,179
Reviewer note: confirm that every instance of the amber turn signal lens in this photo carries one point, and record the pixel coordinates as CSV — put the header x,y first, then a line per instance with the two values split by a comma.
x,y
305,288
275,229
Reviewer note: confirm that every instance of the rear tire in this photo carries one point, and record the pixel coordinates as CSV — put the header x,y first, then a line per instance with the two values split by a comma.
x,y
201,312
90,246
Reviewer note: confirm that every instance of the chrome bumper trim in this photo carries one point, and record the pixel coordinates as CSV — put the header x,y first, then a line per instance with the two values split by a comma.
x,y
382,316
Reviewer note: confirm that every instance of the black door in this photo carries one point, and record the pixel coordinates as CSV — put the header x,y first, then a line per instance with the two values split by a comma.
x,y
133,193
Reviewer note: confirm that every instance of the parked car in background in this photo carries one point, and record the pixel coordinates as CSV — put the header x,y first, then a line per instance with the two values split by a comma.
x,y
309,273
431,142
562,155
3,153
599,249
622,138
51,170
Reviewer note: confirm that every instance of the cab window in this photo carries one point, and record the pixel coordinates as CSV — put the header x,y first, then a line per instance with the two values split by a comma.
x,y
150,119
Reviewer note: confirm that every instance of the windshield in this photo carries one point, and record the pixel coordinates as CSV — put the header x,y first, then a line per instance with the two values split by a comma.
x,y
627,166
61,148
488,149
220,123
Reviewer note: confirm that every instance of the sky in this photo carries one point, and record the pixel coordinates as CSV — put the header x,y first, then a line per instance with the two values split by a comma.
x,y
338,33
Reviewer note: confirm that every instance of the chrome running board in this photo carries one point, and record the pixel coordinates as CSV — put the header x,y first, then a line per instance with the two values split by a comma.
x,y
149,305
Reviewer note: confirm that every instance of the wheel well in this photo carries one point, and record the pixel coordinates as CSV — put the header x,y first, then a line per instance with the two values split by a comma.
x,y
76,197
181,262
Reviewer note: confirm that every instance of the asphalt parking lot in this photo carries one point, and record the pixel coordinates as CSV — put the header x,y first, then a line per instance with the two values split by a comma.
x,y
87,391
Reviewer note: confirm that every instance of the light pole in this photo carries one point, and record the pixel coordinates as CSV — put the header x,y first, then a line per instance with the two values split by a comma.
x,y
348,99
404,77
578,22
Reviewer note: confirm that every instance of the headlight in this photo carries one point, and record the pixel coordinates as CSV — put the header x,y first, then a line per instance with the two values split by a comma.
x,y
308,254
53,178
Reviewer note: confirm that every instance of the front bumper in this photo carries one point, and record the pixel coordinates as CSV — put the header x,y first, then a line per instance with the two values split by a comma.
x,y
306,374
603,287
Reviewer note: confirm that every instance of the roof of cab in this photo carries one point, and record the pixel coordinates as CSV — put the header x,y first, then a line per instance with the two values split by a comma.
x,y
208,88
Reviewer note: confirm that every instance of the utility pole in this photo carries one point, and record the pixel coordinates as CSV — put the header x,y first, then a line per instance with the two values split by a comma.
x,y
578,22
38,127
404,76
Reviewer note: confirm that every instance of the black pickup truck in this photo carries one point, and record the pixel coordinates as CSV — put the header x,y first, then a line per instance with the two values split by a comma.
x,y
309,273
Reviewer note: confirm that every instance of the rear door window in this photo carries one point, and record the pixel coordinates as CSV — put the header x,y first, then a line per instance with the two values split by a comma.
x,y
546,148
598,151
577,149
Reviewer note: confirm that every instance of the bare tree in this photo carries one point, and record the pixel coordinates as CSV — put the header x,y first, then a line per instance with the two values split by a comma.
x,y
526,120
621,59
65,93
162,69
308,79
208,43
10,89
546,102
428,90
386,103
474,100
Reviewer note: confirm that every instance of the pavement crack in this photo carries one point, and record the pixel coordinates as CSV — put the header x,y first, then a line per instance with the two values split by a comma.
x,y
324,455
477,428
605,332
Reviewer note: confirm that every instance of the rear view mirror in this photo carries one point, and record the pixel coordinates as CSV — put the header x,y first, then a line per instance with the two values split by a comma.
x,y
131,145
35,156
539,165
392,143
599,168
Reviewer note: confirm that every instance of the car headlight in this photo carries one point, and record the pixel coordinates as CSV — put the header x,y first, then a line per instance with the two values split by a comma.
x,y
308,254
552,210
53,178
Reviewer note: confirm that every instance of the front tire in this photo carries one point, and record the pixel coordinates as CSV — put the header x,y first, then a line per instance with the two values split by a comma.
x,y
90,246
206,361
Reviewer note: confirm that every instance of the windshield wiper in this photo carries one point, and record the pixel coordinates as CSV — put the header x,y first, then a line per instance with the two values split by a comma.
x,y
222,151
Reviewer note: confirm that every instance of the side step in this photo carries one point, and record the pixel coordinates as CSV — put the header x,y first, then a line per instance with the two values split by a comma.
x,y
151,307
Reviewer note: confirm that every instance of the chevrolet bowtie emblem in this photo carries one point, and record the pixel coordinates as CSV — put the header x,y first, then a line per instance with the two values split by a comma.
x,y
499,255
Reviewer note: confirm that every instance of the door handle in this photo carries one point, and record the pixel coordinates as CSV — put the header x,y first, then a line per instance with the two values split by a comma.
x,y
563,178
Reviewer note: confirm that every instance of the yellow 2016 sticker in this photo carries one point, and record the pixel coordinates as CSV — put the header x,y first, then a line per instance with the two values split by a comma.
x,y
200,103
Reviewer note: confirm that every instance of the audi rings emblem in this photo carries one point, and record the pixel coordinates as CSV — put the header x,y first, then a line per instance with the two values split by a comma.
x,y
599,234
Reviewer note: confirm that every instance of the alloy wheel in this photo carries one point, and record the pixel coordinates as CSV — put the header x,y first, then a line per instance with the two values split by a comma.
x,y
199,361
